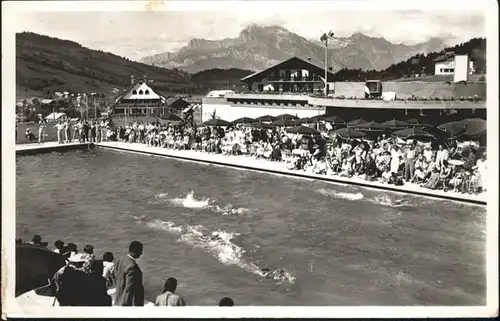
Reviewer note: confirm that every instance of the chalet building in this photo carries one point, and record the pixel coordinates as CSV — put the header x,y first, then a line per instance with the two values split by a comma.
x,y
293,75
292,87
139,99
446,64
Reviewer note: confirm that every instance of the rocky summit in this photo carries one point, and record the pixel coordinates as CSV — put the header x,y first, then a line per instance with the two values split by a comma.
x,y
259,47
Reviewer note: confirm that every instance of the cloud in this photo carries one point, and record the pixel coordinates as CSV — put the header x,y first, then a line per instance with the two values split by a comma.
x,y
123,32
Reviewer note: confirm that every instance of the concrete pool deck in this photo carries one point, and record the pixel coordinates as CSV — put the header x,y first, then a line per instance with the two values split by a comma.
x,y
261,165
48,147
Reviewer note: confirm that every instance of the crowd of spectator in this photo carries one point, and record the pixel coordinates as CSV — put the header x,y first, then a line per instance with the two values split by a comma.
x,y
451,166
391,160
86,280
71,130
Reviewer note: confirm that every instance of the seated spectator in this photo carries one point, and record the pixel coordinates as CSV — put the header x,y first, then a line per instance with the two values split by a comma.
x,y
72,248
457,181
433,180
320,167
58,246
420,169
346,169
386,175
84,259
445,174
433,164
226,302
168,298
370,169
65,251
108,270
88,252
37,240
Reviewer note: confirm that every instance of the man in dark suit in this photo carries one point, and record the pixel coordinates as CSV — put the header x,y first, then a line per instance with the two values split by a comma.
x,y
128,275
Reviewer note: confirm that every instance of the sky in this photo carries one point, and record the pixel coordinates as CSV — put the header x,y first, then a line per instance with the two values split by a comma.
x,y
137,34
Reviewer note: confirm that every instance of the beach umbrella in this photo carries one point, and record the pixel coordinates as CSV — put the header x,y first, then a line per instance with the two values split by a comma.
x,y
171,117
286,116
243,120
414,132
371,126
266,118
454,128
317,118
284,122
334,119
349,133
304,120
415,122
355,123
258,125
303,130
35,265
394,124
301,121
475,127
216,122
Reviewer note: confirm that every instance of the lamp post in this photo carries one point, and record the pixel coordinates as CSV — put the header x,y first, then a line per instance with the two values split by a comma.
x,y
324,38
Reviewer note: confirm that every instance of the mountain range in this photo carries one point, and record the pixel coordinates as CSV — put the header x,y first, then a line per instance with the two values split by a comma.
x,y
259,47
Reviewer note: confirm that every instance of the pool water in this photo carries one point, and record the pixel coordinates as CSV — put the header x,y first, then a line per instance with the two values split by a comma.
x,y
340,245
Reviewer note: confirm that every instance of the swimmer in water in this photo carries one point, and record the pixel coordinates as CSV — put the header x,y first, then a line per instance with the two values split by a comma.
x,y
215,237
400,202
278,274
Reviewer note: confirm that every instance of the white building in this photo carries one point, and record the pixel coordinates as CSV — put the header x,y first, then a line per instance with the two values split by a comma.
x,y
139,99
445,65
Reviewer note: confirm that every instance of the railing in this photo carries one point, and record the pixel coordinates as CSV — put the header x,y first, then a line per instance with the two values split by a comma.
x,y
294,79
269,95
145,105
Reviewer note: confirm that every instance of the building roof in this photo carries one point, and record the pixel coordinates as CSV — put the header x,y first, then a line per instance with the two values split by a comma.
x,y
173,100
444,57
315,66
117,98
449,55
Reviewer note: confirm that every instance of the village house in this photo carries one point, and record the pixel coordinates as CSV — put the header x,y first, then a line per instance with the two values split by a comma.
x,y
139,99
445,64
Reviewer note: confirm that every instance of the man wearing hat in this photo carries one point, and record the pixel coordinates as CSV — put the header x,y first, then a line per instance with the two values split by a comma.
x,y
37,240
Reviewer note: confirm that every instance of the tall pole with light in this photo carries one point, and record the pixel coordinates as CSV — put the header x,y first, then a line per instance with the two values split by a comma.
x,y
324,38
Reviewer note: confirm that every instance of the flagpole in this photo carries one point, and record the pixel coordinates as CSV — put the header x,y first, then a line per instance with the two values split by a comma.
x,y
326,67
324,38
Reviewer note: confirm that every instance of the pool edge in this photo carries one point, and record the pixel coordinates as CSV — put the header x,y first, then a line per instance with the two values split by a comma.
x,y
430,194
22,150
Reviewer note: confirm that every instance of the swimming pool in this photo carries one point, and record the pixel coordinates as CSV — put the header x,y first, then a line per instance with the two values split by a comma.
x,y
342,245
